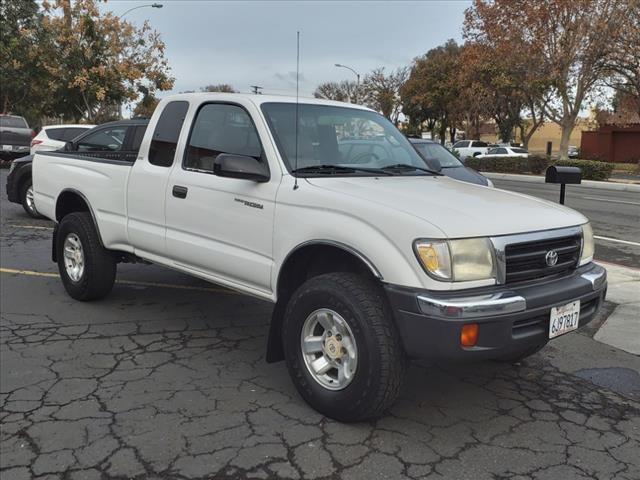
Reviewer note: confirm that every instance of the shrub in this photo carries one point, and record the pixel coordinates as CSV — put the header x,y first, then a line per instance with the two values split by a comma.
x,y
591,169
498,164
538,163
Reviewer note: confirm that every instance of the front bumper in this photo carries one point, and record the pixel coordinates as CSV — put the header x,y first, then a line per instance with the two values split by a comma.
x,y
511,319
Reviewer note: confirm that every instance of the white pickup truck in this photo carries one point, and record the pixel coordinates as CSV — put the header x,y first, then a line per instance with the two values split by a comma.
x,y
326,210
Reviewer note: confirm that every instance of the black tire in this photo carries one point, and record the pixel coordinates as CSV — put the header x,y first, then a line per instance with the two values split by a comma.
x,y
520,356
99,272
381,364
30,209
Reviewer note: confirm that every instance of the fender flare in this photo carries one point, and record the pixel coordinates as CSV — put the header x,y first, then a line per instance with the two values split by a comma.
x,y
57,222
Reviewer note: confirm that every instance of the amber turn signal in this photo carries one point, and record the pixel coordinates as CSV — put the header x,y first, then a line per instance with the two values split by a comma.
x,y
469,335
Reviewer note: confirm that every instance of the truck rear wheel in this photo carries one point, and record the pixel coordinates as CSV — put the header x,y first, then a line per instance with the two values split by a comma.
x,y
342,348
87,269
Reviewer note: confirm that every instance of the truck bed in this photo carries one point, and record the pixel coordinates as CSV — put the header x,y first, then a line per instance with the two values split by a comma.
x,y
102,182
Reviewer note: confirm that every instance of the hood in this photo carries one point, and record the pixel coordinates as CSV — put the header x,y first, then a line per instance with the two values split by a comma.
x,y
458,209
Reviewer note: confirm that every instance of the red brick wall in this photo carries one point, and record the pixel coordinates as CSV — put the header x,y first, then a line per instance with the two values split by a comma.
x,y
611,143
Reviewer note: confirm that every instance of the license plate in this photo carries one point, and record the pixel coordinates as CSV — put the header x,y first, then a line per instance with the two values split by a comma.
x,y
7,148
564,319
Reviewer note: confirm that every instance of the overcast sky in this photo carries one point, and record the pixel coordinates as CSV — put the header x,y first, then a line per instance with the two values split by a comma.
x,y
254,43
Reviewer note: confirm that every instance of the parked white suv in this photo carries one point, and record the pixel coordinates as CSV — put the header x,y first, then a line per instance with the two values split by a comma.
x,y
54,137
470,148
326,210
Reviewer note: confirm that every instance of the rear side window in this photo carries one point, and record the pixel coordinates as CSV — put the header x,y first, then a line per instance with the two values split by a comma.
x,y
519,150
165,137
138,135
221,128
460,144
56,133
72,132
501,151
479,144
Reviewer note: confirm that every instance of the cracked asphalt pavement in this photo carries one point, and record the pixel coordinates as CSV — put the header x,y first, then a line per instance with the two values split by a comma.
x,y
166,379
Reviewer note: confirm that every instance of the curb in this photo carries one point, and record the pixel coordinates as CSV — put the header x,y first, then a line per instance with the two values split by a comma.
x,y
620,187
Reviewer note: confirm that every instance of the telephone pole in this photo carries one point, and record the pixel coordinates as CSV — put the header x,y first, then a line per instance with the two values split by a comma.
x,y
256,89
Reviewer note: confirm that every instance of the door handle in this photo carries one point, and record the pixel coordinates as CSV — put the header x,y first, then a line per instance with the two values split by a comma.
x,y
180,192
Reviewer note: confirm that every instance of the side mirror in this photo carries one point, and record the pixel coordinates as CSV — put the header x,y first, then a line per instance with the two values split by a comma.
x,y
69,147
240,166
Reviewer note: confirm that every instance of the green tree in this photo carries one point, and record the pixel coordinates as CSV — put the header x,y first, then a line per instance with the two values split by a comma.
x,y
96,61
432,90
23,76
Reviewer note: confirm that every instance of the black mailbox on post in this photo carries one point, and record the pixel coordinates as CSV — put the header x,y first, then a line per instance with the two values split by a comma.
x,y
563,175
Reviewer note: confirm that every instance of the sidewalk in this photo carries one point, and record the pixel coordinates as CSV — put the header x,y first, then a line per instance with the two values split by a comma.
x,y
622,328
615,185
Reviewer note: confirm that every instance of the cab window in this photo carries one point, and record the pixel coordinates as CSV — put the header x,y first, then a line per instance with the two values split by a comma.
x,y
220,128
165,136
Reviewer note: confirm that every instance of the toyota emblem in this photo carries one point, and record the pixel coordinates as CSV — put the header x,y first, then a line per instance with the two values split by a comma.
x,y
551,258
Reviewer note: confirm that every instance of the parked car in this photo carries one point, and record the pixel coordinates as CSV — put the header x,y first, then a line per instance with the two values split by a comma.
x,y
118,140
573,152
368,259
54,137
443,161
470,148
515,152
15,136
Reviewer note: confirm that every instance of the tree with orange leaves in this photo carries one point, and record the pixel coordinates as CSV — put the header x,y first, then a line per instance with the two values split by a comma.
x,y
570,39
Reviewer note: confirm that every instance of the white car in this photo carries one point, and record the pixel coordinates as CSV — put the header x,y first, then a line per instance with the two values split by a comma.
x,y
515,152
470,148
54,137
369,256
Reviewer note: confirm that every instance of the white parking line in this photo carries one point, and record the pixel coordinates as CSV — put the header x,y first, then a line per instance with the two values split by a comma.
x,y
600,199
615,240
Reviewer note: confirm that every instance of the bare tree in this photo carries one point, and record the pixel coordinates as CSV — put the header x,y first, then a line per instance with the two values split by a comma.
x,y
382,91
345,91
220,87
623,63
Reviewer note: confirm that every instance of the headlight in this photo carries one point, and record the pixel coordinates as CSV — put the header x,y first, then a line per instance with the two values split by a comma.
x,y
456,260
588,246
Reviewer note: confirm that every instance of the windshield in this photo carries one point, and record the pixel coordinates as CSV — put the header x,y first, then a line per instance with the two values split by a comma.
x,y
357,142
437,151
12,122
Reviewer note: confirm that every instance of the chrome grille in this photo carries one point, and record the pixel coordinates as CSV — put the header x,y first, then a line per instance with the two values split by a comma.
x,y
526,260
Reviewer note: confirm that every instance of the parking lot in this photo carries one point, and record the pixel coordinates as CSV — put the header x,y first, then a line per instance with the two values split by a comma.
x,y
166,378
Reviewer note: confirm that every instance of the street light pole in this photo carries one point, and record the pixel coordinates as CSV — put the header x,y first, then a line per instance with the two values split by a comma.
x,y
152,5
357,77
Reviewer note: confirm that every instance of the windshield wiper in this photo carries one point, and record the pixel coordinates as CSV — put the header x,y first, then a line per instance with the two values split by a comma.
x,y
406,166
330,169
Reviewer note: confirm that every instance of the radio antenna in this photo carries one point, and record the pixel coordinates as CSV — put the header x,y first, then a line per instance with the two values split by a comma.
x,y
295,182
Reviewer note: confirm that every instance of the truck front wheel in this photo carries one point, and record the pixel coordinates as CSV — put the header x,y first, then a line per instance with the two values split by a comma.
x,y
342,348
87,269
